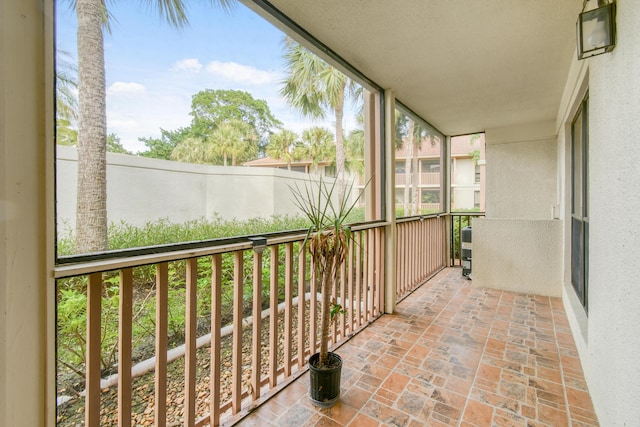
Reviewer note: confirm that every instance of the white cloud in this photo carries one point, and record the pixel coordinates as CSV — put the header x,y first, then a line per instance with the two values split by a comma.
x,y
126,88
190,65
242,73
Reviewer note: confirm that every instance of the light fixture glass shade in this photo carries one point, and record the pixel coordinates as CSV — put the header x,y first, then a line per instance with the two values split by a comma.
x,y
596,31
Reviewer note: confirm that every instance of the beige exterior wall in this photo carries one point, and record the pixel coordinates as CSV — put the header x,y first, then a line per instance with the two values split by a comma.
x,y
517,246
518,255
608,338
521,171
26,288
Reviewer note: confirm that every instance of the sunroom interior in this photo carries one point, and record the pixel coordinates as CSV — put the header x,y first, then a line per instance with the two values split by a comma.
x,y
493,67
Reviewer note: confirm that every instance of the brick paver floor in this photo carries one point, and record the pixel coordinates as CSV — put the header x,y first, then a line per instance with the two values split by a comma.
x,y
452,355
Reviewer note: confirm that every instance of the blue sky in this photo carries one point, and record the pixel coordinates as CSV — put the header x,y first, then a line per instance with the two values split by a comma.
x,y
153,69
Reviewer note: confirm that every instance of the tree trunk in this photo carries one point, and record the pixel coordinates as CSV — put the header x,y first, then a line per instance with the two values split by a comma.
x,y
415,177
407,169
325,319
91,213
340,158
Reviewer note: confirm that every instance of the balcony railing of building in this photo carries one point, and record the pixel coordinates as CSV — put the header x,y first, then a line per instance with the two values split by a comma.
x,y
424,179
421,251
262,327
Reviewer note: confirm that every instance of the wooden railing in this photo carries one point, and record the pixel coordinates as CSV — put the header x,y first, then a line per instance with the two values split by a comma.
x,y
247,322
421,251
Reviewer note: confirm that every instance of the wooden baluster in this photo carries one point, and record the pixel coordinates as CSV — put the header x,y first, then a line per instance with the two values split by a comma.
x,y
256,358
358,283
302,263
191,330
236,374
273,319
162,296
124,347
216,324
288,307
93,357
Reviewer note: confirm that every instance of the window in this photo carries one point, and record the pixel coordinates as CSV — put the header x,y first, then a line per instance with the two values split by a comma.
x,y
418,165
198,109
430,166
579,203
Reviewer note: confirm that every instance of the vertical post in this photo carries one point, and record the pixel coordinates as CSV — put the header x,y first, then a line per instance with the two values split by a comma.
x,y
302,302
358,283
216,320
190,364
94,314
288,307
236,374
350,284
256,359
124,348
273,319
162,298
390,199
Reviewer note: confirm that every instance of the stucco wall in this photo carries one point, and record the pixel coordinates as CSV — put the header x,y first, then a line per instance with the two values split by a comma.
x,y
517,255
26,286
517,247
521,171
140,190
610,346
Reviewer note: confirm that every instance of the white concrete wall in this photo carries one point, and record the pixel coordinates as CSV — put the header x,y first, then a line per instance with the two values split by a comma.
x,y
517,255
140,190
608,339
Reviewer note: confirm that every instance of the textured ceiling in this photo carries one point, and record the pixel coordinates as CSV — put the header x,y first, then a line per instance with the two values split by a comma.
x,y
463,65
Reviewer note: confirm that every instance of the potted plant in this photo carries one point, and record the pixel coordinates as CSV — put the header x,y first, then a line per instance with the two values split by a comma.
x,y
327,241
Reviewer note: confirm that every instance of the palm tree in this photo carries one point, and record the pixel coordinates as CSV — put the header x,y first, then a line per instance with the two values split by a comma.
x,y
354,150
91,216
192,150
233,138
313,87
282,146
317,146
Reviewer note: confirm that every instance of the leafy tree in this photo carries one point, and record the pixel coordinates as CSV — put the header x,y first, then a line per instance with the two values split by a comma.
x,y
210,108
282,146
317,146
161,148
65,133
315,87
412,135
66,87
354,150
114,145
236,139
91,213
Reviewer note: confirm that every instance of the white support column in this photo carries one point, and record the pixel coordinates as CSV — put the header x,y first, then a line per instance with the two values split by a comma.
x,y
390,202
27,377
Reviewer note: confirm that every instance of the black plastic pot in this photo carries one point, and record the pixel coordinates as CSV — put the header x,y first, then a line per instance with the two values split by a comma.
x,y
324,389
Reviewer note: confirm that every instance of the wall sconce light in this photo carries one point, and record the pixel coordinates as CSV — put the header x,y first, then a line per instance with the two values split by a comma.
x,y
596,28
